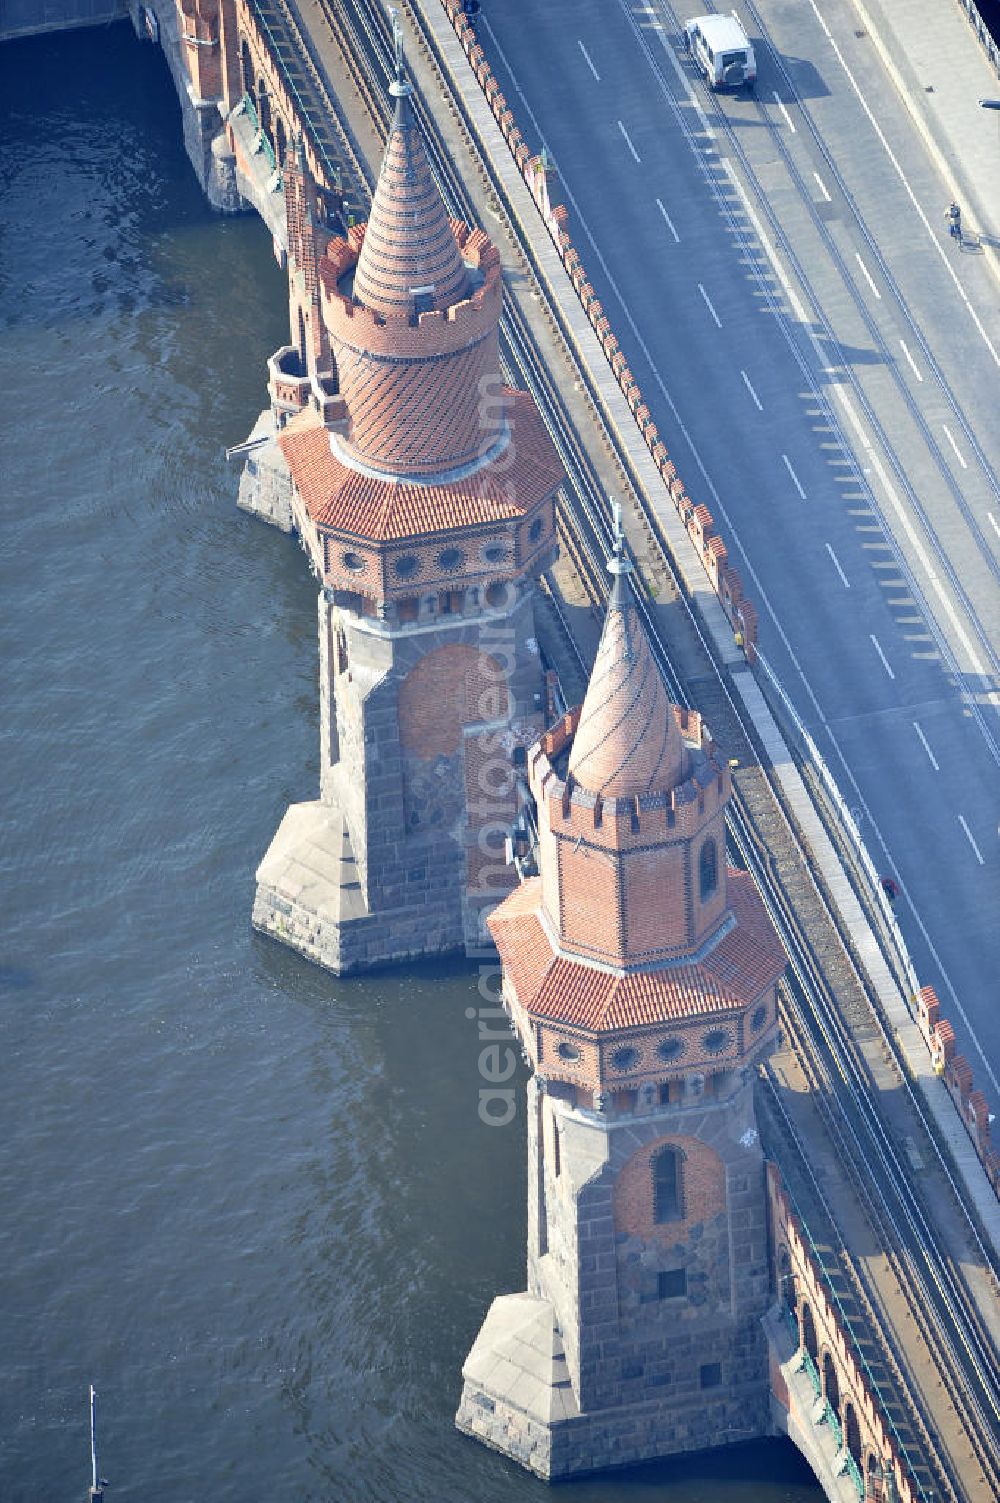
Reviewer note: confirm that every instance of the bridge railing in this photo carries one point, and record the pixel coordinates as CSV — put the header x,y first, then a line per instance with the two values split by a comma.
x,y
263,143
304,110
982,31
814,1282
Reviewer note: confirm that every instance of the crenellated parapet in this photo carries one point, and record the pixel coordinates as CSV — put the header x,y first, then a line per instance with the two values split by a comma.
x,y
956,1073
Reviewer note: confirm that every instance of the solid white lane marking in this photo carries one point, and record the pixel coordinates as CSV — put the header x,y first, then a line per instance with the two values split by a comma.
x,y
958,452
746,383
878,649
670,223
628,142
913,366
993,523
781,107
971,839
823,188
795,478
936,239
868,275
586,55
836,564
923,742
708,305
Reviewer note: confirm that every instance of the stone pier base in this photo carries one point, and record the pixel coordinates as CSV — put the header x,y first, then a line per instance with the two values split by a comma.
x,y
266,483
309,897
517,1398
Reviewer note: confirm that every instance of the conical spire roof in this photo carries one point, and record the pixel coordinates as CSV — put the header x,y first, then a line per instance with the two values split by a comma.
x,y
409,260
628,741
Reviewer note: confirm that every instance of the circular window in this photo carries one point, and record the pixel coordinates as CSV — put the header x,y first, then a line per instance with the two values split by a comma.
x,y
759,1018
354,562
495,553
715,1040
568,1051
450,558
624,1059
535,530
671,1048
406,566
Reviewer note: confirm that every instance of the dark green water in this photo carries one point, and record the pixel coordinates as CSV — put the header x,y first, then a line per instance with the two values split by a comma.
x,y
253,1205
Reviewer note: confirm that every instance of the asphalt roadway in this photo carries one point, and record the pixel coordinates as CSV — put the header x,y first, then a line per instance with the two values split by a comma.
x,y
823,363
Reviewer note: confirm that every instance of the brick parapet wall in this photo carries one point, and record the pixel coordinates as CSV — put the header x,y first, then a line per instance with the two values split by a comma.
x,y
697,519
791,1253
956,1072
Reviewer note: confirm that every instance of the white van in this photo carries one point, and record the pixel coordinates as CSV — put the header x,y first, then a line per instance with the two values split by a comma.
x,y
722,50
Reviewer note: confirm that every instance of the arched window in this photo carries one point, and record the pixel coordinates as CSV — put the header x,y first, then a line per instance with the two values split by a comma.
x,y
852,1434
708,870
873,1478
247,66
263,108
786,1285
809,1333
280,140
831,1388
667,1186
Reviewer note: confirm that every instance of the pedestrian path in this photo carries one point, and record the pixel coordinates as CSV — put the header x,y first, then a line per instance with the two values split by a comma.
x,y
941,69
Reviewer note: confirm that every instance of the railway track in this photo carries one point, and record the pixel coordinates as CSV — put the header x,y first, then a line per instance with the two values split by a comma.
x,y
948,1317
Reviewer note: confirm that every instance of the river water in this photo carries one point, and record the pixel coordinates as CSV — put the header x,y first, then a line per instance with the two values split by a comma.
x,y
254,1205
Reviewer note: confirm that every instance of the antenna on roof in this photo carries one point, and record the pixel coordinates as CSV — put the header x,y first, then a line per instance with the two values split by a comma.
x,y
97,1484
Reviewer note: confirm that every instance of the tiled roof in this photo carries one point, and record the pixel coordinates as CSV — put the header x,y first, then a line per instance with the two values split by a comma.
x,y
628,741
345,500
409,243
740,968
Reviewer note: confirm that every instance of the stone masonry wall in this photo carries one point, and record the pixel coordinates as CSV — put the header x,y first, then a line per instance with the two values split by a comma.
x,y
399,718
629,1341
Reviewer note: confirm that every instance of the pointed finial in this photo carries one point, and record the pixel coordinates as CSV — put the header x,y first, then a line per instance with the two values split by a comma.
x,y
400,85
619,564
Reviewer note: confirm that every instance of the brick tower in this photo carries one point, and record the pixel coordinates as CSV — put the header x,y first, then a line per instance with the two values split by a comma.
x,y
640,975
423,491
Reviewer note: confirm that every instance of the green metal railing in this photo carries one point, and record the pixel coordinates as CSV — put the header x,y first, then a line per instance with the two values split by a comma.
x,y
847,1325
810,1368
855,1475
263,144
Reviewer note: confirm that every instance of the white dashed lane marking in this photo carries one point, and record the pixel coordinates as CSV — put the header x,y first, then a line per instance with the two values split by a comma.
x,y
586,55
795,478
971,839
868,275
836,564
628,142
746,382
708,305
913,364
669,222
882,656
924,743
958,452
